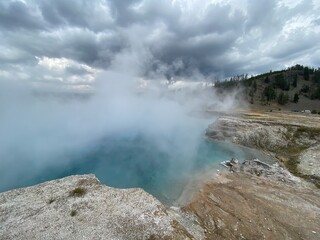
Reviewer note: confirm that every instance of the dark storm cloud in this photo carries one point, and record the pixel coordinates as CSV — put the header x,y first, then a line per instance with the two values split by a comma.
x,y
93,15
16,14
170,37
121,11
64,12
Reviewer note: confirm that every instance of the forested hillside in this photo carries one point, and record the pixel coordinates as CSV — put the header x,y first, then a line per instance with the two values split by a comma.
x,y
297,86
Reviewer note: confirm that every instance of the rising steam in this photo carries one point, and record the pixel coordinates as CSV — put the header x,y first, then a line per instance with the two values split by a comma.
x,y
41,130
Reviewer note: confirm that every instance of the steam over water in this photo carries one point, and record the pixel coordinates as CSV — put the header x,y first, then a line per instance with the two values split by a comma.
x,y
127,138
136,161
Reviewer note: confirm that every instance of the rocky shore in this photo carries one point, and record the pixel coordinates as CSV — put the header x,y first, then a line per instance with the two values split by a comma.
x,y
293,138
309,161
240,205
251,202
80,207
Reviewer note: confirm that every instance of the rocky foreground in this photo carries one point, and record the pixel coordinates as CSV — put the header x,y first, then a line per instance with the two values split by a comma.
x,y
252,202
228,206
80,207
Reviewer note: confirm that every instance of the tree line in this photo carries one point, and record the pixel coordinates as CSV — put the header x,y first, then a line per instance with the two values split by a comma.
x,y
302,80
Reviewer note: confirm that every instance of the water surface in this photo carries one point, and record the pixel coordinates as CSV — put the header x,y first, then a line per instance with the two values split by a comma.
x,y
124,162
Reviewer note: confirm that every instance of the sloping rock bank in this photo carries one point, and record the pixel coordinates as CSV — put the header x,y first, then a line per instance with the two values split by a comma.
x,y
309,161
80,207
263,134
292,138
244,206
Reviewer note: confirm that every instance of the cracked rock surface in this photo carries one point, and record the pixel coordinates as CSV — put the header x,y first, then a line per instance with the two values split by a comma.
x,y
309,161
80,207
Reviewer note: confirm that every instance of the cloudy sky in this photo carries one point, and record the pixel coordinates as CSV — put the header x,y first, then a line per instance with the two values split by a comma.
x,y
70,42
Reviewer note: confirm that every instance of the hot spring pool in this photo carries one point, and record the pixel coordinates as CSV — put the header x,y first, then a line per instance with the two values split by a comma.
x,y
126,162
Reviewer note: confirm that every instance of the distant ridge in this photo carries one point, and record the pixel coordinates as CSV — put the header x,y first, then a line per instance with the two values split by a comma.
x,y
294,88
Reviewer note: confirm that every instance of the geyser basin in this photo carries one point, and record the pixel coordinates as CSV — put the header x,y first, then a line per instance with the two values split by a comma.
x,y
138,161
152,139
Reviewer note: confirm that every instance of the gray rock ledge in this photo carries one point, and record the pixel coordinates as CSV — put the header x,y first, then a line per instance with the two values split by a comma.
x,y
80,207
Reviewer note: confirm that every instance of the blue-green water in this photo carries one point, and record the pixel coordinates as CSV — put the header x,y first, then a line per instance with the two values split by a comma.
x,y
137,161
154,140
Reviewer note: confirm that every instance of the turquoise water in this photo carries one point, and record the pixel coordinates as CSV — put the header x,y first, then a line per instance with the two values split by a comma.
x,y
155,142
126,162
158,154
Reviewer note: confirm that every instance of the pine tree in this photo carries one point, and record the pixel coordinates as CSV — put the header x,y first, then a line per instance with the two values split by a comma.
x,y
295,81
267,80
306,73
296,98
269,93
283,98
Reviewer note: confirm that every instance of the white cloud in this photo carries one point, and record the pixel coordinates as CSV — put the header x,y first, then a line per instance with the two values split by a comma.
x,y
61,64
73,39
54,63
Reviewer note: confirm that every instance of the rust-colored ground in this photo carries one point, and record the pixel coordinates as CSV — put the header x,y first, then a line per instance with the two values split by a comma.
x,y
243,206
